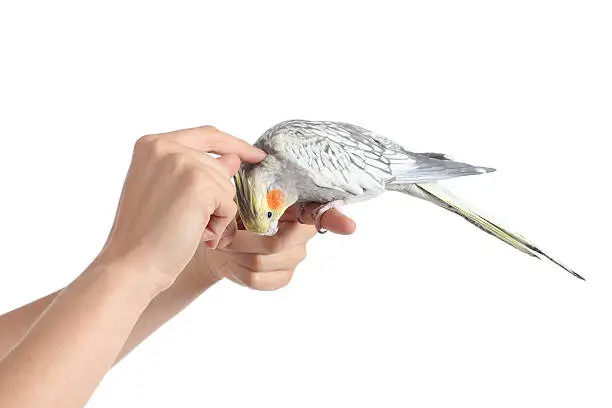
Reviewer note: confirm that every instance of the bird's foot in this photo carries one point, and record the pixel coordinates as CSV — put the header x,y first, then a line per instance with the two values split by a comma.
x,y
317,214
300,212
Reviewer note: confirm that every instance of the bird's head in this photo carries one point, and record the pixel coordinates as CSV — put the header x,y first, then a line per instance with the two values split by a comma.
x,y
261,200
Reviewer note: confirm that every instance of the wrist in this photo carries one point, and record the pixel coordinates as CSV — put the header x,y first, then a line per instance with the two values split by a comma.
x,y
133,273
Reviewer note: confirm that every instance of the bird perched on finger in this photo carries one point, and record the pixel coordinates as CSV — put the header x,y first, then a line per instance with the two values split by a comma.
x,y
334,164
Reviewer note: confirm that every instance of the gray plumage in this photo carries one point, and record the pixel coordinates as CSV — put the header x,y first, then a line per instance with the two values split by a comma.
x,y
339,161
335,163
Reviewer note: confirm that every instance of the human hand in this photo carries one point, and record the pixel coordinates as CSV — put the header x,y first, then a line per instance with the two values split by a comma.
x,y
265,262
175,196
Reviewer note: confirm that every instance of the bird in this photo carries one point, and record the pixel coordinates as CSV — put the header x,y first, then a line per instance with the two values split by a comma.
x,y
336,164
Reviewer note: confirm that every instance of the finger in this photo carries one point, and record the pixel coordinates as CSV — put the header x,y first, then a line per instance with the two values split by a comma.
x,y
209,139
228,234
214,168
214,231
284,260
289,234
263,281
222,166
224,213
230,162
333,220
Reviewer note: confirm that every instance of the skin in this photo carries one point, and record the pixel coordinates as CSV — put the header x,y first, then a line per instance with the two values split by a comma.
x,y
174,236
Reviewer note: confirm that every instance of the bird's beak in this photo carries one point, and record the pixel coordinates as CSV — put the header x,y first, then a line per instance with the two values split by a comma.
x,y
272,230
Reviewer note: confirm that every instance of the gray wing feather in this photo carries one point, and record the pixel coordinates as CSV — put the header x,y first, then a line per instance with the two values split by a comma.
x,y
354,159
439,156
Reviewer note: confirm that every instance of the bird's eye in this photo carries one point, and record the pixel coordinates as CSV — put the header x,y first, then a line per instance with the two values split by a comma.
x,y
269,214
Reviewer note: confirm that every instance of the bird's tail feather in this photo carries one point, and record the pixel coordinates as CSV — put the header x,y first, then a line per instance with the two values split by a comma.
x,y
436,194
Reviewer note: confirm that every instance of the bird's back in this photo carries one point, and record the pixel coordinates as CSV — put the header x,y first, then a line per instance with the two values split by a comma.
x,y
352,160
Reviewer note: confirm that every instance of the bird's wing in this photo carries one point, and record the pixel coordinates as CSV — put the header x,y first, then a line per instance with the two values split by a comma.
x,y
353,159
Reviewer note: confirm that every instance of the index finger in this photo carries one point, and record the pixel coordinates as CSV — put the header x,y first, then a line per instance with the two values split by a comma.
x,y
210,140
333,220
289,234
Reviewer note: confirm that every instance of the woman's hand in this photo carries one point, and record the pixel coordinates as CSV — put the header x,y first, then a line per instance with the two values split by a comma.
x,y
175,197
262,262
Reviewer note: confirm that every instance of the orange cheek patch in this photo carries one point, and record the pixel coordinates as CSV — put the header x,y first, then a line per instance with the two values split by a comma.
x,y
276,199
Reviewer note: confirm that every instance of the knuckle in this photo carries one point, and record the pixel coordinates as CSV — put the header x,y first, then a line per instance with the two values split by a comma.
x,y
209,208
209,128
150,145
158,147
175,161
145,140
258,262
232,206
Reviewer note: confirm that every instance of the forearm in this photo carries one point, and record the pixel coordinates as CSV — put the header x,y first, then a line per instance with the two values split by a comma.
x,y
187,287
190,284
75,341
15,324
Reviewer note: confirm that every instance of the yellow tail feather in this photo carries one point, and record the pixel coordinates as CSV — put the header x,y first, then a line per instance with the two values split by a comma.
x,y
436,194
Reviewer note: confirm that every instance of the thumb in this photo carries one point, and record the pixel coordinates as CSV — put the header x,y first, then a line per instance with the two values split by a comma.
x,y
228,234
231,163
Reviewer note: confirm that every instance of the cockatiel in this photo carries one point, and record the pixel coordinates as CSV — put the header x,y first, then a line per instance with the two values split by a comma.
x,y
335,163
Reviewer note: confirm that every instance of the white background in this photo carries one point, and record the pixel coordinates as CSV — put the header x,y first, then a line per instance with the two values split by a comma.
x,y
418,308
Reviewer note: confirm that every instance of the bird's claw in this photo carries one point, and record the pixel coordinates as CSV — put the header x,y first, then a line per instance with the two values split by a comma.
x,y
317,215
300,212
